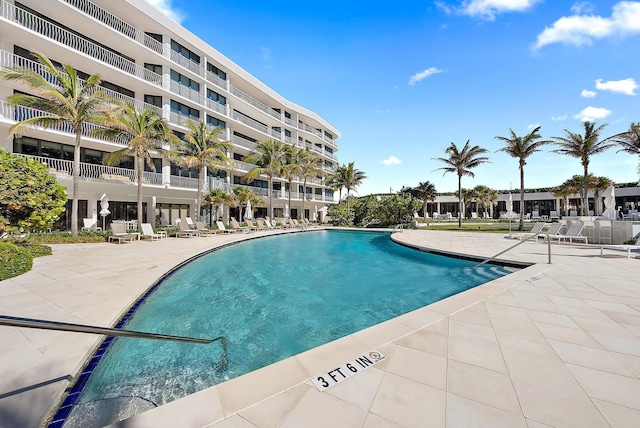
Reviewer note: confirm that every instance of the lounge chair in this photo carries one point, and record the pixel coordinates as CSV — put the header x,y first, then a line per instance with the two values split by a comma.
x,y
190,222
263,225
204,230
223,229
186,231
147,232
553,215
535,230
119,233
271,224
553,232
474,215
254,227
236,226
535,216
90,224
298,225
574,232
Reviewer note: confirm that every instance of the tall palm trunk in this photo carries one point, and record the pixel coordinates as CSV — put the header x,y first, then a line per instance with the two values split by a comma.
x,y
460,200
521,225
140,161
271,197
585,204
76,183
304,188
290,186
199,196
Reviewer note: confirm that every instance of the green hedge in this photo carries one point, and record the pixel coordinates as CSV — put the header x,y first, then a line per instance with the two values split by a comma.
x,y
37,250
14,260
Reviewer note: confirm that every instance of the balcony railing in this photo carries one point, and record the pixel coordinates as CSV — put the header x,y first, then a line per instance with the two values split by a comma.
x,y
186,92
250,122
187,63
254,102
216,80
63,169
179,119
243,142
185,182
60,35
214,105
18,114
116,23
243,166
8,59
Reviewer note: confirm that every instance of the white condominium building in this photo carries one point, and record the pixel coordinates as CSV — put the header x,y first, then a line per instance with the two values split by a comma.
x,y
147,59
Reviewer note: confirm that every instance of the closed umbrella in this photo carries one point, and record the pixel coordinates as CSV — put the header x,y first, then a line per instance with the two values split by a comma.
x,y
248,215
104,208
315,214
286,210
610,203
220,211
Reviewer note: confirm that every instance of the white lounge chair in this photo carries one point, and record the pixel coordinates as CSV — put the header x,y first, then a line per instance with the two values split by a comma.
x,y
235,225
223,229
553,215
553,232
204,230
90,224
535,215
535,230
186,231
119,233
147,232
574,232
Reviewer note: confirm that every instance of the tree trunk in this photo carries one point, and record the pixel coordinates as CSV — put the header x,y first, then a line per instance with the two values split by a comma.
x,y
290,185
199,195
304,186
521,225
271,197
76,184
460,201
140,178
585,208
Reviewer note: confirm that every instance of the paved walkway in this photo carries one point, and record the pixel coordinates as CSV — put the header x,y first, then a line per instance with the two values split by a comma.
x,y
551,345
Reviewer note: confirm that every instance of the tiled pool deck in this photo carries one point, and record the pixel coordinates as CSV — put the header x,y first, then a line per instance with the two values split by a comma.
x,y
551,345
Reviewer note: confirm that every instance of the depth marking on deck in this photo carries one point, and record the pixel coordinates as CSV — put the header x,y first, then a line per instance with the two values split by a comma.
x,y
348,369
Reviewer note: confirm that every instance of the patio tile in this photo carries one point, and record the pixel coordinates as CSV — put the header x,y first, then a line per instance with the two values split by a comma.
x,y
409,403
567,334
621,390
475,351
618,416
375,421
426,340
551,318
631,362
359,390
482,385
316,409
462,412
419,366
271,412
624,345
234,421
587,356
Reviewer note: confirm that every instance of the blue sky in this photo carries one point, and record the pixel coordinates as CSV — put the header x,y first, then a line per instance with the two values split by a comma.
x,y
402,80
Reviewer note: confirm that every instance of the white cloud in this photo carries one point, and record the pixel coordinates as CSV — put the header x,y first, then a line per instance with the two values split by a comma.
x,y
559,118
488,9
391,160
423,75
168,9
533,126
626,86
580,29
588,94
582,8
592,113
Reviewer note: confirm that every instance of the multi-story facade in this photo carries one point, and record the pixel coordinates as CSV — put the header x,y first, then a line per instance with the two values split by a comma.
x,y
149,60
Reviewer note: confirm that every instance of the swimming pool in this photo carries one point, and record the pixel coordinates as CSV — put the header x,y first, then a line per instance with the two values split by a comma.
x,y
272,298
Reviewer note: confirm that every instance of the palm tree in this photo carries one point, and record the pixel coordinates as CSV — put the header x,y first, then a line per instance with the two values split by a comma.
x,y
486,196
599,185
309,166
468,195
202,148
461,162
425,191
336,179
572,186
269,157
629,141
67,101
352,178
290,170
583,147
145,131
522,148
240,196
215,198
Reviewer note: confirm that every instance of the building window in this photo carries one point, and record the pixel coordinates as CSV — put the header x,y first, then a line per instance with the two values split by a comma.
x,y
184,110
185,81
214,96
157,37
154,100
190,55
156,68
213,121
287,133
215,70
329,136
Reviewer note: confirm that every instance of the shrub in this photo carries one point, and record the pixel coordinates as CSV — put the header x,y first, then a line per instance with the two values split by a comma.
x,y
65,238
14,260
37,250
631,241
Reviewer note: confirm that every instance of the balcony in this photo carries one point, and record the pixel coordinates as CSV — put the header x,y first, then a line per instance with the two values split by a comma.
x,y
216,106
243,142
18,114
73,41
116,23
8,59
187,63
216,80
257,104
63,169
186,92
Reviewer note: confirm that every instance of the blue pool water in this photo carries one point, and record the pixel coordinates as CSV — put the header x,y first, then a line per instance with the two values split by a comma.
x,y
272,298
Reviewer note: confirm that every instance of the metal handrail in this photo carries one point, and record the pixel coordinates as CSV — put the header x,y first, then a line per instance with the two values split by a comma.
x,y
513,246
79,328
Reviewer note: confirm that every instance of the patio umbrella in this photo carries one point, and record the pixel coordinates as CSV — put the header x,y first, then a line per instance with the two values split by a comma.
x,y
610,203
220,211
248,215
286,210
315,214
104,208
510,206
